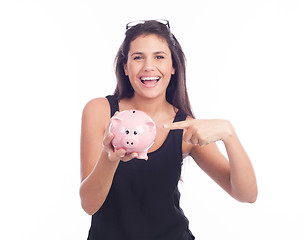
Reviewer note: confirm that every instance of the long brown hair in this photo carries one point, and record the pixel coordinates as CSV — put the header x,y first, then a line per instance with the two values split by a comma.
x,y
176,93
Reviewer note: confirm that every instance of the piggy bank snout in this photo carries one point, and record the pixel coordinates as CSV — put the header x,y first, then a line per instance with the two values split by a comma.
x,y
129,142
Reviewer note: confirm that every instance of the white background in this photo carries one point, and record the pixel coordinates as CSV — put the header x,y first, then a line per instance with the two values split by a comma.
x,y
245,64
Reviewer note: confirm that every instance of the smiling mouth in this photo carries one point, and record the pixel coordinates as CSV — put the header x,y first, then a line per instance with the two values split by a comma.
x,y
149,81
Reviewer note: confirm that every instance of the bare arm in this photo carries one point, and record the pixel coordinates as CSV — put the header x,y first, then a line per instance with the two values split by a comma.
x,y
235,176
98,160
242,176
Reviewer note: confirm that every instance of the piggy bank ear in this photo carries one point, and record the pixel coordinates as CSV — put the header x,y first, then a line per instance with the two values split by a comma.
x,y
150,126
115,121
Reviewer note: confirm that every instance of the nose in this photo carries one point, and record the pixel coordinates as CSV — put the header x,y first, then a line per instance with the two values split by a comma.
x,y
149,65
130,143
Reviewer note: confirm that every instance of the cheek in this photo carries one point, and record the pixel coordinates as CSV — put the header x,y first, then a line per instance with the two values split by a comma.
x,y
169,68
168,71
131,70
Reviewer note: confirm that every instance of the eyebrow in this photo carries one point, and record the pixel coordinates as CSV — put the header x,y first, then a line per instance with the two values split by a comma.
x,y
141,53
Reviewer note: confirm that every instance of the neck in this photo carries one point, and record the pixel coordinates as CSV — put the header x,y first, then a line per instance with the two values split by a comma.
x,y
151,106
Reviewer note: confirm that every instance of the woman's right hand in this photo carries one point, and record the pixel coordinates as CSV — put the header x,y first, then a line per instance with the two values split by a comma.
x,y
113,155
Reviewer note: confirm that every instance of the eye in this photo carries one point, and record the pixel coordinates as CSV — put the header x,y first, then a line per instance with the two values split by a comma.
x,y
137,58
127,131
160,57
135,132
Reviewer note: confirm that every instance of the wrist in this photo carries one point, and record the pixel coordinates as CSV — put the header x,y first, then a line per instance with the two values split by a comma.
x,y
228,132
106,156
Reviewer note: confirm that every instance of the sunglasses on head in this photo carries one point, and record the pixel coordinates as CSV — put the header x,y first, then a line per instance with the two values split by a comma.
x,y
132,24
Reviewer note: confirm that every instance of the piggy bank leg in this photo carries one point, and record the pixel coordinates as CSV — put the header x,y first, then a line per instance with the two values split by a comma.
x,y
142,155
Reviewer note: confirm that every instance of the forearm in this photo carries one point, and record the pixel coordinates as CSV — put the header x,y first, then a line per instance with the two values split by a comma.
x,y
242,176
95,188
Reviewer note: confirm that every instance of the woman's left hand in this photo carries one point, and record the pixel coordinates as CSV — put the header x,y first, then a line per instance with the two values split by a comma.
x,y
202,132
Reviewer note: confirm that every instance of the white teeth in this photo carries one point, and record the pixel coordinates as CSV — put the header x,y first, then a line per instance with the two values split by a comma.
x,y
149,78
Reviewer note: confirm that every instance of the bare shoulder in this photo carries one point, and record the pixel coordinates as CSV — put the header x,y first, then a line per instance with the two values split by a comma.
x,y
97,106
97,110
95,118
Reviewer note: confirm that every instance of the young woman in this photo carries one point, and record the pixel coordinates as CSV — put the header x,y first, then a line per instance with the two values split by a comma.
x,y
130,198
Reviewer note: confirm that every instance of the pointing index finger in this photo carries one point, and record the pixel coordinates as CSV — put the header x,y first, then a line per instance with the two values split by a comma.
x,y
177,125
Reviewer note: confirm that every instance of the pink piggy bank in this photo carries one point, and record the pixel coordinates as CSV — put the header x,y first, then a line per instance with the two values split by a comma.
x,y
134,131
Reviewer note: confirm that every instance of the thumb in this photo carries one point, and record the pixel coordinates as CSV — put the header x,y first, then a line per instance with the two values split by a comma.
x,y
108,139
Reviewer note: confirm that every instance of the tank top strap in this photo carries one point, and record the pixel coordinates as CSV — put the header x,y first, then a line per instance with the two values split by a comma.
x,y
113,104
176,137
180,116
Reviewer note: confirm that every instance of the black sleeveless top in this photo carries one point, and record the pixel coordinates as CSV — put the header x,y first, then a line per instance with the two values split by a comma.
x,y
143,201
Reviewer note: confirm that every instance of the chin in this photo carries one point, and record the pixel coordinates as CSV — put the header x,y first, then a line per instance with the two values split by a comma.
x,y
151,95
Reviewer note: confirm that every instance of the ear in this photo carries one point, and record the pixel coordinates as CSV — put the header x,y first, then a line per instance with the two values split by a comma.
x,y
125,68
173,71
115,121
150,126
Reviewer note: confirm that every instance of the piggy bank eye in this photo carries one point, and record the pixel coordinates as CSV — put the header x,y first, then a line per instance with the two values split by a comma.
x,y
135,132
127,131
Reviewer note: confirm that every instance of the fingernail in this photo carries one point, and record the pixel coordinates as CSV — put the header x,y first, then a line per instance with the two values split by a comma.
x,y
121,153
165,125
